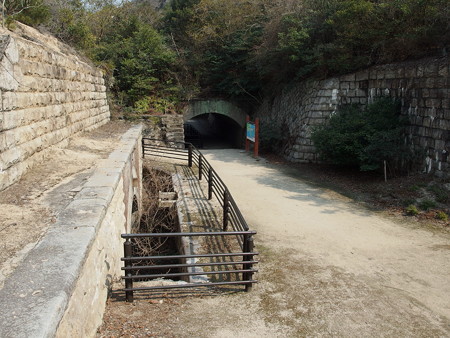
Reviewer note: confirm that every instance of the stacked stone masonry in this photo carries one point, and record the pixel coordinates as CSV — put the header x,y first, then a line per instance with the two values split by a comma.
x,y
61,285
164,127
422,86
47,94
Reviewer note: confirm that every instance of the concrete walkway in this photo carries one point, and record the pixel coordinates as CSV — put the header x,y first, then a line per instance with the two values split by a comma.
x,y
330,267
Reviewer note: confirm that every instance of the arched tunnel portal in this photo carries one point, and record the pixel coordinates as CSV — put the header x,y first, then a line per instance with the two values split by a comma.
x,y
214,124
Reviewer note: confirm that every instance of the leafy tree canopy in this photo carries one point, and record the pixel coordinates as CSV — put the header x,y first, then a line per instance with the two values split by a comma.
x,y
242,49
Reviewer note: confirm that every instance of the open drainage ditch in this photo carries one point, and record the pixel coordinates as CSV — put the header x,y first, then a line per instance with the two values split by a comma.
x,y
159,215
160,247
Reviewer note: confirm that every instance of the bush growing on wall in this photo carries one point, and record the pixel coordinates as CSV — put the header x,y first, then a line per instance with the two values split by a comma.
x,y
270,136
365,137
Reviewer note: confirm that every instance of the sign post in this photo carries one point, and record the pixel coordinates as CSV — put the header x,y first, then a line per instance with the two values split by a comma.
x,y
252,135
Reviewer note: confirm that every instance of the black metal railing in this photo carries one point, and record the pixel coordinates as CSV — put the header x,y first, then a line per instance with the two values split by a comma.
x,y
138,267
242,267
216,187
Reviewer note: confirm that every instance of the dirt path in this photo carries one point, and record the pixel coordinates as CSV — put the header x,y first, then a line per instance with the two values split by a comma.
x,y
355,272
328,268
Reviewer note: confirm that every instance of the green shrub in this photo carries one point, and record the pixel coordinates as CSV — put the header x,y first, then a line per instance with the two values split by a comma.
x,y
29,12
408,202
442,195
355,136
427,204
270,136
414,188
442,216
411,210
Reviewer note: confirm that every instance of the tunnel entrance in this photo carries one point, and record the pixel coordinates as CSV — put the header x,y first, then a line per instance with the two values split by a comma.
x,y
213,131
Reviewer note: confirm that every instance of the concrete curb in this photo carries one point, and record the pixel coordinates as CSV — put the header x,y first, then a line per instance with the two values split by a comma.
x,y
35,296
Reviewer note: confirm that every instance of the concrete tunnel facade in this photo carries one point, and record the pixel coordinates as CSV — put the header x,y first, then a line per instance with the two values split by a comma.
x,y
212,122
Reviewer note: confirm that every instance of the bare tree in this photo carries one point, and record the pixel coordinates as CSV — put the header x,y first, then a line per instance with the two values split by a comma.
x,y
15,7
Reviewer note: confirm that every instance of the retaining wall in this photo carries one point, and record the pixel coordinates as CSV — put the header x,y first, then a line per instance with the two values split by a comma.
x,y
422,86
60,288
47,94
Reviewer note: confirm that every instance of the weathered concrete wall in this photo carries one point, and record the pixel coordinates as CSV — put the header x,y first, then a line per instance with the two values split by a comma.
x,y
200,107
47,94
60,288
423,87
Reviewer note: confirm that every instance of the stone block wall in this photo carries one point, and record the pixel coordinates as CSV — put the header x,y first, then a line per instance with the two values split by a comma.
x,y
60,288
422,86
164,127
47,94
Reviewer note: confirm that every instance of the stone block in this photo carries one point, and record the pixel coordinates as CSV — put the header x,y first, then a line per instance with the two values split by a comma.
x,y
10,157
351,93
439,144
444,124
7,75
348,78
420,70
309,157
430,70
443,70
101,180
332,83
12,51
437,134
410,71
362,76
372,74
9,100
363,84
442,93
433,103
391,74
434,93
344,85
360,93
400,72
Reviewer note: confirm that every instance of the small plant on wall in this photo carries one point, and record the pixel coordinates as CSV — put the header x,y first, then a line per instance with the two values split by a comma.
x,y
366,137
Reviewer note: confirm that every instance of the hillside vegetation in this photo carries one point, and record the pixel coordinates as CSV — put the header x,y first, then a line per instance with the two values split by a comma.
x,y
158,53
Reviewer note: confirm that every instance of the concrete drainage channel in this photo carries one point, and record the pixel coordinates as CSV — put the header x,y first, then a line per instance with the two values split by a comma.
x,y
60,288
212,256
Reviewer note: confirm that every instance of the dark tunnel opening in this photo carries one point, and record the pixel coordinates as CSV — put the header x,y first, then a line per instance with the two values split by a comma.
x,y
213,131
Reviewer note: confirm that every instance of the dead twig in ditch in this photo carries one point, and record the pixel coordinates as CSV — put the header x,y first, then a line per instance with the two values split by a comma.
x,y
154,219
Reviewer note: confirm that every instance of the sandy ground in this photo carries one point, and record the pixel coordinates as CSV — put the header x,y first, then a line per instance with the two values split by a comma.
x,y
28,207
327,267
363,272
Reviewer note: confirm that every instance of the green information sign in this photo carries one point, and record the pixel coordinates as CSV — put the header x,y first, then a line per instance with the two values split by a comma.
x,y
251,131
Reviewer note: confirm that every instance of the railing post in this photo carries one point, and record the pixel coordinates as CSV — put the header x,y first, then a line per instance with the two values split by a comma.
x,y
248,247
143,148
210,183
200,165
190,155
127,248
225,209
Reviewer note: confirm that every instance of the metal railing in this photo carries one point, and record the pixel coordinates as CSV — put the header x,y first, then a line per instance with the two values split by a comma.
x,y
146,263
231,218
216,187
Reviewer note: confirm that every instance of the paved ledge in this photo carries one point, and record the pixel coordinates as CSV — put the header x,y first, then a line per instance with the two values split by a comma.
x,y
36,295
